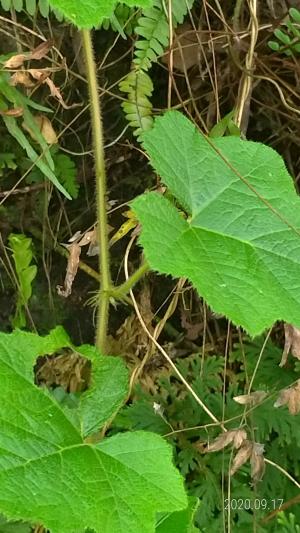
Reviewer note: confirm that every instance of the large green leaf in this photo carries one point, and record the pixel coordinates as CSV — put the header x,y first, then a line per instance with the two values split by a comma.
x,y
90,13
240,243
49,474
180,521
13,527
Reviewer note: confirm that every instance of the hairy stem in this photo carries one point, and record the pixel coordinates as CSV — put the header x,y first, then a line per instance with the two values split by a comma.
x,y
96,121
122,290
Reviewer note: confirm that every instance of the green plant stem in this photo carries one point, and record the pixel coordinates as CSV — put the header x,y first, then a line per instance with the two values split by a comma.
x,y
95,110
119,292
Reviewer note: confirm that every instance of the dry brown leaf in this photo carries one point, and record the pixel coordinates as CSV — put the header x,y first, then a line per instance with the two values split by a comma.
x,y
72,267
68,370
257,462
42,75
41,50
291,343
87,238
13,112
39,74
90,237
131,339
234,436
21,78
242,456
45,127
251,399
252,451
193,331
15,61
55,92
75,238
291,398
186,48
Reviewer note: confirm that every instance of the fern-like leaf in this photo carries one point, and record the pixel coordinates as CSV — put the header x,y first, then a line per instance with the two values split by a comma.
x,y
138,109
153,27
153,31
31,7
65,170
123,20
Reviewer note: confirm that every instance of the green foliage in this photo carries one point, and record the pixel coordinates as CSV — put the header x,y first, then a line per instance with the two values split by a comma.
x,y
240,203
123,20
138,108
180,521
65,171
153,31
153,27
206,474
7,161
13,527
225,126
90,13
42,159
21,247
50,474
288,41
30,6
287,523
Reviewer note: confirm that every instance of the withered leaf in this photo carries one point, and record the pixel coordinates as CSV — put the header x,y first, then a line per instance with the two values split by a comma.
x,y
55,92
234,436
13,112
242,456
39,74
41,50
15,61
186,48
192,330
21,78
45,127
254,452
291,343
75,238
72,267
42,75
290,397
251,399
257,462
67,370
90,237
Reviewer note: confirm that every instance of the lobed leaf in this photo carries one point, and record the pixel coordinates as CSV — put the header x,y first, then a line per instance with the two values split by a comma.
x,y
50,475
240,242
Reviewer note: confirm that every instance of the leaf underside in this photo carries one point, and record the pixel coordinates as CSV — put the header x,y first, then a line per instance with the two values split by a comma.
x,y
239,244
